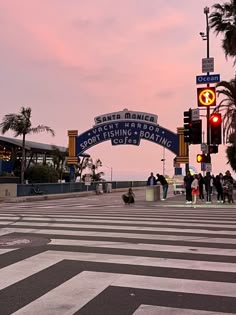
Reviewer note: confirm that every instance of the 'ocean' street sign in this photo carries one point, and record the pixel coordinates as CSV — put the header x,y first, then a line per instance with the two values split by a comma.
x,y
204,79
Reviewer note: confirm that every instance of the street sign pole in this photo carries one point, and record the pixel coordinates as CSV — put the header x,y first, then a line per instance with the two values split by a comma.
x,y
206,11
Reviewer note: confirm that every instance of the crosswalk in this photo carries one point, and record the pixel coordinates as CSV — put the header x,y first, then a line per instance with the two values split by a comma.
x,y
67,257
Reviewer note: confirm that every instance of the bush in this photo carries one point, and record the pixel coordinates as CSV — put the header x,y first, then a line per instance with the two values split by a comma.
x,y
42,174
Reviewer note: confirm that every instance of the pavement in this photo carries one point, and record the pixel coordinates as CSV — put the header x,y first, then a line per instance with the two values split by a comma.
x,y
93,255
173,200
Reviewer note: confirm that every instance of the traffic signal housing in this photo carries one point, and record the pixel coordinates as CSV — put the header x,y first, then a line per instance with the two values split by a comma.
x,y
215,128
213,149
196,132
187,125
203,158
192,129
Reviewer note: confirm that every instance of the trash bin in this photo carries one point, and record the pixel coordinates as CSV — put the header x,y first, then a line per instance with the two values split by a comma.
x,y
99,189
109,187
153,193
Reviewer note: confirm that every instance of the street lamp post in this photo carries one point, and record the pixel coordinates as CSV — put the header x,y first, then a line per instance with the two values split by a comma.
x,y
163,161
111,170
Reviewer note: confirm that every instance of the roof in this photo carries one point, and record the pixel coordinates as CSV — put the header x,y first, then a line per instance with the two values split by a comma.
x,y
31,145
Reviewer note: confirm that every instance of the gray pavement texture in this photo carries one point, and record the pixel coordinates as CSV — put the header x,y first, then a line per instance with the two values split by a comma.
x,y
91,254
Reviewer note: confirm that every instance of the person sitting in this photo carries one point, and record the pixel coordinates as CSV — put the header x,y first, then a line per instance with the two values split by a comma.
x,y
128,198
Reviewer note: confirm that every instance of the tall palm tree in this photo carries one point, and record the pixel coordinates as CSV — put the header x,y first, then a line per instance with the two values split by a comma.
x,y
21,125
94,166
59,159
223,20
228,106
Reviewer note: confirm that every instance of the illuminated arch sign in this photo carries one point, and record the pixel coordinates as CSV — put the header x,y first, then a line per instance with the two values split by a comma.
x,y
127,131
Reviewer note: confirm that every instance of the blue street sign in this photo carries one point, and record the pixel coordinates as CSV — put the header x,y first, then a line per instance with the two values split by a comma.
x,y
204,79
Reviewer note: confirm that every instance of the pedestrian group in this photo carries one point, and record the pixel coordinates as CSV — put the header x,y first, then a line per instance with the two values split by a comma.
x,y
199,187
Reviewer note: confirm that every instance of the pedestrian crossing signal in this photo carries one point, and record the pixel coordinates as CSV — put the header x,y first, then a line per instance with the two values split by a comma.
x,y
213,149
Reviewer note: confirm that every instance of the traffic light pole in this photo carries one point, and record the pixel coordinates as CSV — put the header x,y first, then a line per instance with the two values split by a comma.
x,y
206,11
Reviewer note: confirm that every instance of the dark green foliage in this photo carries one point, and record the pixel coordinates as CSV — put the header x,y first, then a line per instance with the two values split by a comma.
x,y
223,21
231,154
42,174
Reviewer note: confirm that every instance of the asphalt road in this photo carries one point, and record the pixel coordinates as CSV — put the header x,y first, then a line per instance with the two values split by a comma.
x,y
93,255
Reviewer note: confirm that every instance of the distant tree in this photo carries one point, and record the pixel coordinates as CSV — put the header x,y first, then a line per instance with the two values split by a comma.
x,y
59,160
228,106
39,173
21,125
81,166
94,166
223,21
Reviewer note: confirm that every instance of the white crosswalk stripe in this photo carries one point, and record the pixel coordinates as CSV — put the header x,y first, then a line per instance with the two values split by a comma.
x,y
152,260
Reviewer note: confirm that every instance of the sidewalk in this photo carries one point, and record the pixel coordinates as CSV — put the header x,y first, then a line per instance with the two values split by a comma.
x,y
140,197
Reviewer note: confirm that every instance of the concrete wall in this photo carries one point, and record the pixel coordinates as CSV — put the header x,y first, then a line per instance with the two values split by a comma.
x,y
8,190
61,188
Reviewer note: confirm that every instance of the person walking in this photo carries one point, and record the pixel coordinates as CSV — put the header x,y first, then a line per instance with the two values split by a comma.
x,y
164,184
195,189
151,181
187,184
201,186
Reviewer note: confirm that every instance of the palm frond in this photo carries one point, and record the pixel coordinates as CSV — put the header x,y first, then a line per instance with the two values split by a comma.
x,y
41,128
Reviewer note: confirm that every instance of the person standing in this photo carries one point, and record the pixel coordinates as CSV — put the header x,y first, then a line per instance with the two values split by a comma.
x,y
188,189
219,187
201,186
151,181
164,184
195,189
208,184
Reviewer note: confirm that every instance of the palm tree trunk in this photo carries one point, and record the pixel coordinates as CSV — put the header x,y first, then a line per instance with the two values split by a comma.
x,y
23,160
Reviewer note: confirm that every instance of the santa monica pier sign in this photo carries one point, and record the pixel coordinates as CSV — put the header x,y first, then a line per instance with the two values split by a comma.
x,y
122,128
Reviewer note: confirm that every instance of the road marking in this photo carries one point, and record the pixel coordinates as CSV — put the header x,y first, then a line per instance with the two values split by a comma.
x,y
162,310
70,296
125,235
142,246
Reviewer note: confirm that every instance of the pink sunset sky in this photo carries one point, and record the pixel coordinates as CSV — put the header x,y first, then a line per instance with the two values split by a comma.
x,y
72,60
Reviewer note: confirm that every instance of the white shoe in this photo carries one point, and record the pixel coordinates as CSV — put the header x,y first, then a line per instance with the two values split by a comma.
x,y
218,201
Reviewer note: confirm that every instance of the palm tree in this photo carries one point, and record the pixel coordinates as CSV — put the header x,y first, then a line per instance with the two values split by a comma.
x,y
223,20
96,176
59,159
21,125
228,106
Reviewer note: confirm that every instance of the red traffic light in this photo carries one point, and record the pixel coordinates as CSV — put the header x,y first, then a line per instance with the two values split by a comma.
x,y
215,119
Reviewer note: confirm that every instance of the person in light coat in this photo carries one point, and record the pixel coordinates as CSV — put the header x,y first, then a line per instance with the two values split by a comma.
x,y
195,189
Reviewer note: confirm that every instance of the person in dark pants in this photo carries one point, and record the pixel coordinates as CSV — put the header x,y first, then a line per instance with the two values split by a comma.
x,y
208,184
201,186
187,184
128,198
164,184
219,187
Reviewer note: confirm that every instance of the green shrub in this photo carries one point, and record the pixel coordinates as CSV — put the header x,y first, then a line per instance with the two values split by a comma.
x,y
42,174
